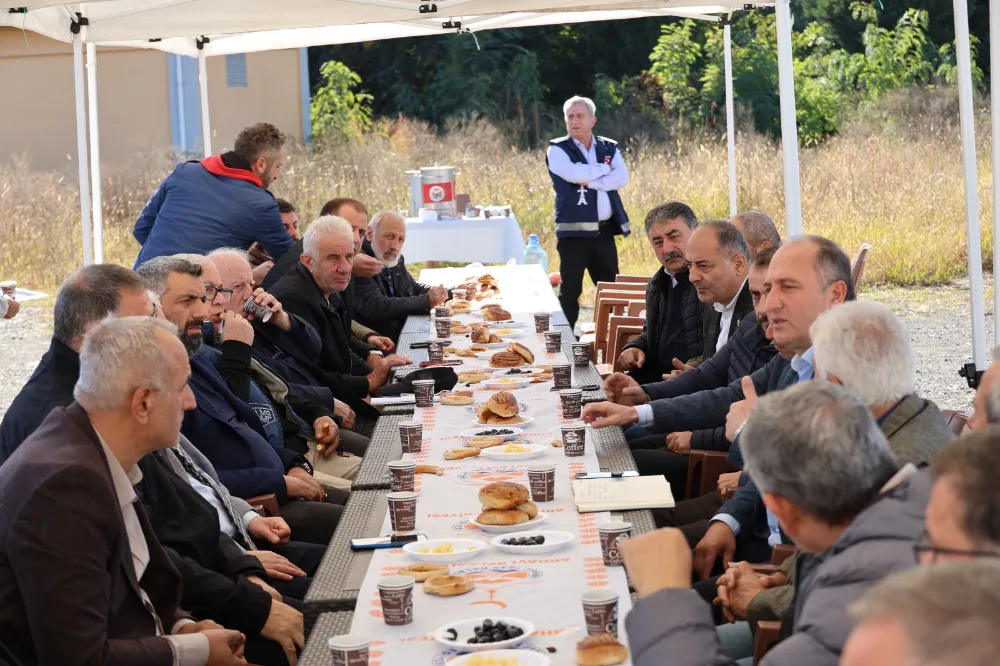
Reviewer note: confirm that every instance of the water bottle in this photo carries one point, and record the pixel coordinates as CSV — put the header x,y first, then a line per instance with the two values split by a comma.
x,y
534,254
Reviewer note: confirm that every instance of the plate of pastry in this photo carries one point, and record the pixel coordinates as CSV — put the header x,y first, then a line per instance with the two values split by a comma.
x,y
516,450
507,507
502,409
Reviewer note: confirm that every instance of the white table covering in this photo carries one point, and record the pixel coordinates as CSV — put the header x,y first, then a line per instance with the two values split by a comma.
x,y
545,589
495,240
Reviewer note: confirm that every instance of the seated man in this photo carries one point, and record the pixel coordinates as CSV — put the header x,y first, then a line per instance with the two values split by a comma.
x,y
673,332
82,578
289,346
84,299
759,231
826,472
248,454
986,405
386,300
312,289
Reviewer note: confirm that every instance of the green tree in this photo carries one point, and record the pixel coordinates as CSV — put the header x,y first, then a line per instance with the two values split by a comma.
x,y
337,109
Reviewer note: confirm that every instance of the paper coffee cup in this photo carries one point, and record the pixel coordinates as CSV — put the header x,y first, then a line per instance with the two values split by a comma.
x,y
259,312
442,311
553,342
562,375
348,650
574,437
571,400
611,533
459,294
541,322
411,436
542,482
435,350
403,511
600,611
396,594
423,392
402,472
581,353
442,325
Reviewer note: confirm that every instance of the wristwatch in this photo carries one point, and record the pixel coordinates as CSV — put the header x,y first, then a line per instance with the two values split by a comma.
x,y
738,430
376,352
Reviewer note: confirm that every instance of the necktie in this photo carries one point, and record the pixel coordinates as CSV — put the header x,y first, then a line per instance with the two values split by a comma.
x,y
388,282
198,473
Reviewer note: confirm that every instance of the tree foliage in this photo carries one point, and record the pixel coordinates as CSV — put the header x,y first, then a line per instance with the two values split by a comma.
x,y
337,109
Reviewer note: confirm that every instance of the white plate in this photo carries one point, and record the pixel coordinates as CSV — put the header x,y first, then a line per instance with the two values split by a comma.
x,y
464,549
474,432
515,332
486,355
496,453
525,371
523,657
525,420
492,345
553,541
503,383
466,630
506,323
507,529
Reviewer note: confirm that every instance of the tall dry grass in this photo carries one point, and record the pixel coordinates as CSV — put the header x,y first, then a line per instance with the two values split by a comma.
x,y
892,178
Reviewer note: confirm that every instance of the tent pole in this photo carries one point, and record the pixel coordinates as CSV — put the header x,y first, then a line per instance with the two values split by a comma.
x,y
95,154
81,150
789,128
964,61
206,124
995,108
730,120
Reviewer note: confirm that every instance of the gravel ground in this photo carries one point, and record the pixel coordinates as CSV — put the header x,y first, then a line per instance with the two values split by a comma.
x,y
937,318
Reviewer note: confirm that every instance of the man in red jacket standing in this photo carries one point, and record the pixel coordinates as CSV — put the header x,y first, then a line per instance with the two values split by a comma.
x,y
221,201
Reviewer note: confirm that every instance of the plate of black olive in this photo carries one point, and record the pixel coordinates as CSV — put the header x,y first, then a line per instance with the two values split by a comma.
x,y
484,633
533,542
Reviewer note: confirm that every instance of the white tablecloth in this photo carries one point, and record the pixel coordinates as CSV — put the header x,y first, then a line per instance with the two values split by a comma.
x,y
524,289
545,589
492,241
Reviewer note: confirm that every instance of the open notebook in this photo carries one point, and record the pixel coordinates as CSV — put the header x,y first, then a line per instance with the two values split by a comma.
x,y
625,494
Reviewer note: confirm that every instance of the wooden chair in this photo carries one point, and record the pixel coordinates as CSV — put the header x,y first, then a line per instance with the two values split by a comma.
x,y
636,309
858,265
589,327
768,631
956,420
609,302
621,329
265,505
638,279
704,470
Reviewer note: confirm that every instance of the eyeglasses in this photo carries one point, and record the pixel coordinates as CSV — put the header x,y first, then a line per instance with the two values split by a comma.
x,y
923,545
211,292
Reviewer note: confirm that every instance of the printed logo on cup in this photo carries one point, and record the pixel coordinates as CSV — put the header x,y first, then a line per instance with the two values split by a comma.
x,y
423,392
396,594
553,341
600,612
541,322
542,482
561,376
402,511
402,473
581,353
349,650
574,439
612,533
411,435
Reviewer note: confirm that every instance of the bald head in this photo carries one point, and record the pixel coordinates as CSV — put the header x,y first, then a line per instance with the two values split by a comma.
x,y
759,231
235,273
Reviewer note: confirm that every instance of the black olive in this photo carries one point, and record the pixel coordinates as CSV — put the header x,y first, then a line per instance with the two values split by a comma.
x,y
500,625
472,641
499,636
487,624
451,635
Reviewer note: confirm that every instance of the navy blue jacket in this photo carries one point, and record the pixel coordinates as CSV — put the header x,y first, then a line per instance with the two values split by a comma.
x,y
205,205
230,434
747,351
584,218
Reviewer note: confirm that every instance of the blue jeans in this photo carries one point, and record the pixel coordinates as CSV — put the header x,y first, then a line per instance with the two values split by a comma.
x,y
737,642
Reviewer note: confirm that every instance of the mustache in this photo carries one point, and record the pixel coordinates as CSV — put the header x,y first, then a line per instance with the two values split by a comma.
x,y
673,255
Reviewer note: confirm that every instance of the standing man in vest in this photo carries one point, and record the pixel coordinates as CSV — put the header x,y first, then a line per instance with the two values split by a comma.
x,y
587,171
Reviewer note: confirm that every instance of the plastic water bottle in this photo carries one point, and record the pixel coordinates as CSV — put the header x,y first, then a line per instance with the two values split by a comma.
x,y
534,254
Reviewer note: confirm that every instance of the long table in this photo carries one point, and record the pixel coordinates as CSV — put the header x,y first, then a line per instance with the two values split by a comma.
x,y
346,580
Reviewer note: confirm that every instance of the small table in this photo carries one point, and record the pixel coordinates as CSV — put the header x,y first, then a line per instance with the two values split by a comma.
x,y
495,240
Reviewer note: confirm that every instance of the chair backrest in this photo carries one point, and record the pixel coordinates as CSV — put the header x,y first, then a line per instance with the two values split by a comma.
x,y
956,420
858,265
621,329
636,309
621,286
608,303
638,279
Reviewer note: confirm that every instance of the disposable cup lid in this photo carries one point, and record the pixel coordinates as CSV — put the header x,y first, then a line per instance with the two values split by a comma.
x,y
402,464
614,526
348,642
402,496
397,582
599,596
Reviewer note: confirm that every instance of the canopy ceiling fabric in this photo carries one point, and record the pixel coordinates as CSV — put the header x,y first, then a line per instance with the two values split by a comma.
x,y
238,26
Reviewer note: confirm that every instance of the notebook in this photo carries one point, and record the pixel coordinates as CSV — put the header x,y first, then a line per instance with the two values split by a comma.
x,y
625,494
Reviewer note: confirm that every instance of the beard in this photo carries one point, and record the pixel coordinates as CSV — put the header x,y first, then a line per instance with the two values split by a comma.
x,y
390,262
191,339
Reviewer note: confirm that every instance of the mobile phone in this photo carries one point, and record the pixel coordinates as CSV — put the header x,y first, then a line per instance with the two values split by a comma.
x,y
391,541
605,475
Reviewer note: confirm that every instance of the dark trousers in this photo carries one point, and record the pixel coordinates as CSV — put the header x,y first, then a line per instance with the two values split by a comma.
x,y
650,461
691,516
598,256
750,549
315,522
305,556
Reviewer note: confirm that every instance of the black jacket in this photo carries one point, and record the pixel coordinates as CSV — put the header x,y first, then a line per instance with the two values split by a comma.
x,y
386,311
658,294
51,385
285,263
340,352
713,320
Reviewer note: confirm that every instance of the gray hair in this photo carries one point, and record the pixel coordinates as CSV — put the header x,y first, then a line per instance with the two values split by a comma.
x,y
327,225
154,273
242,254
381,215
670,211
832,263
758,228
576,99
817,445
963,597
120,356
867,348
88,296
970,463
197,259
731,240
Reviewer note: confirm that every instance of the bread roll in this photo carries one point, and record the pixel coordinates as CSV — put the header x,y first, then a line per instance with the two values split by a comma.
x,y
522,351
448,586
502,517
485,442
458,454
456,400
472,377
496,314
506,359
484,413
504,420
503,403
529,508
428,469
600,650
480,335
424,570
503,495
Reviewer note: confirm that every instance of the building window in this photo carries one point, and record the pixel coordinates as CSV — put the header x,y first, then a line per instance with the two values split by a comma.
x,y
236,70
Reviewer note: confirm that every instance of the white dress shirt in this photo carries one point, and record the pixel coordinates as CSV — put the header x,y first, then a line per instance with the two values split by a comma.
x,y
597,176
727,317
188,649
